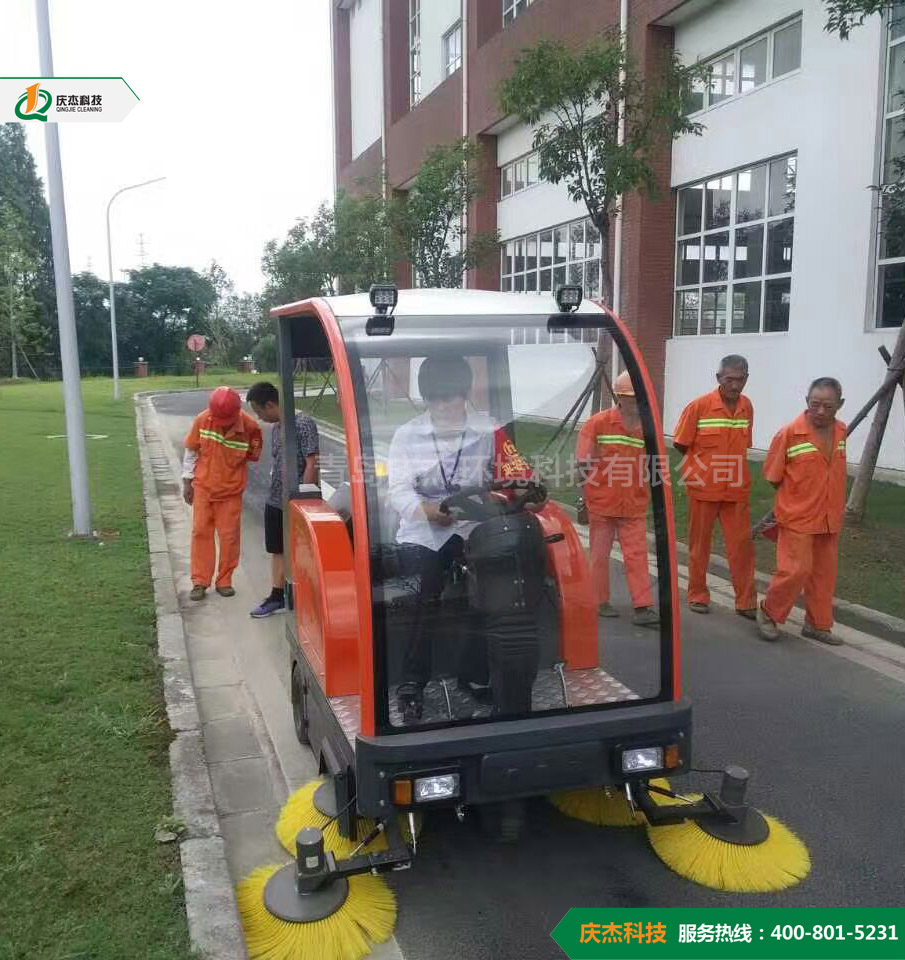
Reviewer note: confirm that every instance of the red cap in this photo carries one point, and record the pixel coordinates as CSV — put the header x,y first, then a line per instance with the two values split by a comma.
x,y
224,404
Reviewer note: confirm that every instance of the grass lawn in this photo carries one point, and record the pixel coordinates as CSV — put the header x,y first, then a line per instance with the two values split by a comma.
x,y
872,554
84,778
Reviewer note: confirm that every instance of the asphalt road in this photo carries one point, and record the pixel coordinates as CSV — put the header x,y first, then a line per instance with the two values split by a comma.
x,y
822,737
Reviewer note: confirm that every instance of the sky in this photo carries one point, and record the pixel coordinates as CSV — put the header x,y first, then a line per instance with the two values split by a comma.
x,y
235,112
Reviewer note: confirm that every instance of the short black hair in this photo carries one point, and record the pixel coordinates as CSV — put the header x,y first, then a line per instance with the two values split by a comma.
x,y
826,382
263,393
445,376
733,362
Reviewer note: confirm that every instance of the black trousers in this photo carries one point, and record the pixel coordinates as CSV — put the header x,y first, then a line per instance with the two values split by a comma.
x,y
432,567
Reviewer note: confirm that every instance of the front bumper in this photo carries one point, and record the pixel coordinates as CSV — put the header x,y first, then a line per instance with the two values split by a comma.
x,y
521,758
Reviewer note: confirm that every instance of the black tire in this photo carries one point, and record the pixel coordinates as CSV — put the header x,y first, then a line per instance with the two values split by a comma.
x,y
299,710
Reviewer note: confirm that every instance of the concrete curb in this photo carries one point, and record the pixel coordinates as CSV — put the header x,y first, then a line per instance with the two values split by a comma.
x,y
210,901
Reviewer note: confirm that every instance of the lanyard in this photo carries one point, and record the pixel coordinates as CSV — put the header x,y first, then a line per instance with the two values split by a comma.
x,y
449,481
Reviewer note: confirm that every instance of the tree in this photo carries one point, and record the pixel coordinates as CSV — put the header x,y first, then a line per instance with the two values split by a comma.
x,y
22,335
575,101
304,264
432,223
91,297
843,16
368,239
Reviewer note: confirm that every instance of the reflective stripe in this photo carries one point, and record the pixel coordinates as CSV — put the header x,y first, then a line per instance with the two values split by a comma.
x,y
621,440
219,438
841,446
719,422
799,449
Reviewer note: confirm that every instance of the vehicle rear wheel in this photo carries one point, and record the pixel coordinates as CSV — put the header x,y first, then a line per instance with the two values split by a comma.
x,y
299,711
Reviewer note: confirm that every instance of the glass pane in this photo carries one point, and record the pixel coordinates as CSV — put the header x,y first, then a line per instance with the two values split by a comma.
x,y
546,248
776,306
782,185
718,202
592,279
753,66
508,257
688,263
897,20
519,283
531,261
690,201
546,280
892,295
722,79
531,281
696,96
713,311
560,240
519,256
894,158
506,284
519,175
687,306
592,240
576,241
507,181
716,257
896,96
576,274
559,277
787,49
746,308
532,169
779,246
749,252
751,191
892,230
467,615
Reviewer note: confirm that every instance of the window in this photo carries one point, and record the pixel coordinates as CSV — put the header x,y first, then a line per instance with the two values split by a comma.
x,y
519,175
735,238
751,65
512,8
452,49
414,51
542,261
891,254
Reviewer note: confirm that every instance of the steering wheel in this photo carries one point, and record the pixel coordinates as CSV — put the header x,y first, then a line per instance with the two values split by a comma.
x,y
476,503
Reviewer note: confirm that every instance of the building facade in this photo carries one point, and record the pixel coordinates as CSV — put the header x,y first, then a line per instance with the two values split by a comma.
x,y
763,239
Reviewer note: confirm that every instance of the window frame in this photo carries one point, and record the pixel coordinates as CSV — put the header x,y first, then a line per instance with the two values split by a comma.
x,y
512,9
414,53
735,51
510,168
763,277
888,118
450,66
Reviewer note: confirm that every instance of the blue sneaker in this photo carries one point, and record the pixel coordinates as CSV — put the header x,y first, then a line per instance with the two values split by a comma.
x,y
268,608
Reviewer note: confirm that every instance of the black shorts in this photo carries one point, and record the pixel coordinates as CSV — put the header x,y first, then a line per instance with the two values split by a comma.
x,y
273,529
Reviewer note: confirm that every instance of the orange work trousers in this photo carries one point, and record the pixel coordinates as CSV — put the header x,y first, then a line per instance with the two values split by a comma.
x,y
809,562
225,518
632,535
735,519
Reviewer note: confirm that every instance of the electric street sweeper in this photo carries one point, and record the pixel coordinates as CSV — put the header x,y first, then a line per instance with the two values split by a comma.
x,y
444,639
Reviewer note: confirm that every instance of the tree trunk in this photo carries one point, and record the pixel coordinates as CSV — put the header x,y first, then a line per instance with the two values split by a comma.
x,y
857,501
604,340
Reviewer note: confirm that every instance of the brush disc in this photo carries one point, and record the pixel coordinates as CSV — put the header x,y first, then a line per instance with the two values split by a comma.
x,y
365,917
781,860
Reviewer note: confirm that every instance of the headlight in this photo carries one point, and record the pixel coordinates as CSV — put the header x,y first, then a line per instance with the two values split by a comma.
x,y
442,787
642,760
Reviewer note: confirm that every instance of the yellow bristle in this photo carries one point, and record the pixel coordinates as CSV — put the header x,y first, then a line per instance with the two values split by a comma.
x,y
367,917
602,806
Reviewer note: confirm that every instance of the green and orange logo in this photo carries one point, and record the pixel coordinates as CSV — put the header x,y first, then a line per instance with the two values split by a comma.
x,y
37,103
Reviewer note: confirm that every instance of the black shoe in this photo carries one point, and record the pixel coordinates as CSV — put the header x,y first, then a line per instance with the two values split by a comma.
x,y
410,697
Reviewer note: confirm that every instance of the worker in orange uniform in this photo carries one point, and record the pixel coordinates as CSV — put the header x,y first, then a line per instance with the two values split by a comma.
x,y
806,465
714,433
613,461
222,441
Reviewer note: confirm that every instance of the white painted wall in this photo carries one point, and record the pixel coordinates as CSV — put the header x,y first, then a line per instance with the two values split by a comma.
x,y
366,62
543,205
437,16
828,113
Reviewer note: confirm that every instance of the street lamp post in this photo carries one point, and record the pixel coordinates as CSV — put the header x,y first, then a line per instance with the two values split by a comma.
x,y
113,343
69,346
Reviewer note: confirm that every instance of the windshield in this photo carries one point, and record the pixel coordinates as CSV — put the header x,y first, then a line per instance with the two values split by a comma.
x,y
491,598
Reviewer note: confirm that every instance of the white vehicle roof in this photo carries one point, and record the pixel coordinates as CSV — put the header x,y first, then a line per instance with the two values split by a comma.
x,y
434,303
